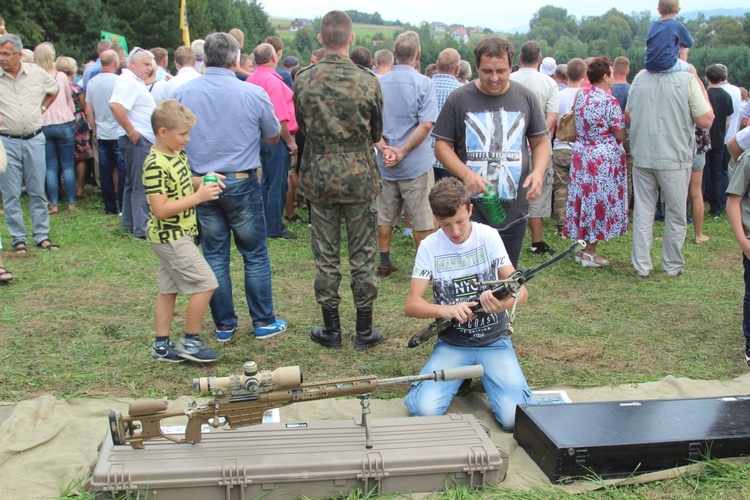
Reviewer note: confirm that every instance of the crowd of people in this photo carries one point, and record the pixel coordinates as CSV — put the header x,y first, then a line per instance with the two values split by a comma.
x,y
364,141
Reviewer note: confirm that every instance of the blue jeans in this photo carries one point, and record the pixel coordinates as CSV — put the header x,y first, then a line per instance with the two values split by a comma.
x,y
60,151
238,212
109,160
746,302
275,162
25,164
503,380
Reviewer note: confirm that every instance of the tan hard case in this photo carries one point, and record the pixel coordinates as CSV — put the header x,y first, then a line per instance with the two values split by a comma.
x,y
311,459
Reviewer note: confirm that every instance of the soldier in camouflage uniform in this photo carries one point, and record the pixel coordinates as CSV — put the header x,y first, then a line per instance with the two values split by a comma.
x,y
339,108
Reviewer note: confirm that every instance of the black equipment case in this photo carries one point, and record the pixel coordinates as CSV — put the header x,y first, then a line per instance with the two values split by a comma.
x,y
622,438
314,459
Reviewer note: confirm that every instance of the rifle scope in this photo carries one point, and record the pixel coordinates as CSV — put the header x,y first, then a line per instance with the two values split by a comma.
x,y
252,380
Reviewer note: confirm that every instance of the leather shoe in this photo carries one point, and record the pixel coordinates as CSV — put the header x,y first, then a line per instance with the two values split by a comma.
x,y
285,236
384,272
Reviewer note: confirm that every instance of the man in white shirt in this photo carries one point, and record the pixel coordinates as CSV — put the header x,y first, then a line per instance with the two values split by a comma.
x,y
132,104
546,92
184,61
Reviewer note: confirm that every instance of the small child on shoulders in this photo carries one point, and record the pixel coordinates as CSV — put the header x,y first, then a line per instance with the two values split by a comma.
x,y
173,194
665,38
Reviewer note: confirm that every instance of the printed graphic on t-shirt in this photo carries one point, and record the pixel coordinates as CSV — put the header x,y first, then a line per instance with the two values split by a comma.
x,y
494,142
452,287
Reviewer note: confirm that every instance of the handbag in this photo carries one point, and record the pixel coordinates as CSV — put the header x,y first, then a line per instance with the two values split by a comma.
x,y
566,129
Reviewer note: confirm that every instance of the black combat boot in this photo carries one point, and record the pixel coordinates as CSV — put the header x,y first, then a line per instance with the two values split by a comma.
x,y
366,336
330,334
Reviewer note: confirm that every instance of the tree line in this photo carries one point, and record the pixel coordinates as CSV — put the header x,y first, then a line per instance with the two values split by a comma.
x,y
74,26
719,39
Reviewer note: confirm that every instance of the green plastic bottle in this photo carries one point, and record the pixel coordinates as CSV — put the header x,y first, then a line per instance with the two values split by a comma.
x,y
492,201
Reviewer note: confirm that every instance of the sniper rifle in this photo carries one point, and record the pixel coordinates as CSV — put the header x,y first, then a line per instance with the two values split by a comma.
x,y
242,399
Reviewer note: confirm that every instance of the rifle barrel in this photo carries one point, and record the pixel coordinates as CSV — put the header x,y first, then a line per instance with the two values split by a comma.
x,y
460,373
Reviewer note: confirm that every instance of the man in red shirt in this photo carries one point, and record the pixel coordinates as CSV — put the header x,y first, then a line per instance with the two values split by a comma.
x,y
275,159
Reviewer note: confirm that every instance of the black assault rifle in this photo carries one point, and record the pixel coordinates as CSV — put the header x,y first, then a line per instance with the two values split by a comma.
x,y
508,286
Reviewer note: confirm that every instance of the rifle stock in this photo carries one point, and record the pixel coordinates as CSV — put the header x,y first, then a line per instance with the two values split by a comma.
x,y
239,407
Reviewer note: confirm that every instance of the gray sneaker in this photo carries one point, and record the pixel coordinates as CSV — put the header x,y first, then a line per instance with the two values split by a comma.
x,y
166,352
195,349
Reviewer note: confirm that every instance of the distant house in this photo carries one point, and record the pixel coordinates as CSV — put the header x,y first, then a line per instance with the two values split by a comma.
x,y
438,26
459,34
298,24
476,29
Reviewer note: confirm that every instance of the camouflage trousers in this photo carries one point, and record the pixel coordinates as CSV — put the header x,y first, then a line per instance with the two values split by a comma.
x,y
561,170
361,229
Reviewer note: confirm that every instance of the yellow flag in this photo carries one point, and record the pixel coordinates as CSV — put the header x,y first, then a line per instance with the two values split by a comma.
x,y
184,24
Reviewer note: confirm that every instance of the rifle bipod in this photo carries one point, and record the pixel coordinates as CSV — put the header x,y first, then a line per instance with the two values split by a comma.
x,y
364,401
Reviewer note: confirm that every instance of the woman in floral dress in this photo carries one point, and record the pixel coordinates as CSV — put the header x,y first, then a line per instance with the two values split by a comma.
x,y
597,207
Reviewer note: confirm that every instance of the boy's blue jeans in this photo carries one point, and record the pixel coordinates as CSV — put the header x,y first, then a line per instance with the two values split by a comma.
x,y
503,380
238,212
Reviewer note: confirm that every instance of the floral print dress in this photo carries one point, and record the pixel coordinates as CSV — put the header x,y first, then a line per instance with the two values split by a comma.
x,y
597,207
83,149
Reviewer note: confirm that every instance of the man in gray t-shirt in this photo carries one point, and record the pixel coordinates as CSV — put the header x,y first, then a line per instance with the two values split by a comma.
x,y
483,135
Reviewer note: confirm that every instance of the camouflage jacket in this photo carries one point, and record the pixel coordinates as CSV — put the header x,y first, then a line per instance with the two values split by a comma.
x,y
339,108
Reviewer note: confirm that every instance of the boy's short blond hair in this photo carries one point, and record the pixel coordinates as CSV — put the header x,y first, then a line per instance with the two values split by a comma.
x,y
170,115
669,7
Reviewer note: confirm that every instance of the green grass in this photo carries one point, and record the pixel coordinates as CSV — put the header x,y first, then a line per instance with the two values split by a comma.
x,y
79,323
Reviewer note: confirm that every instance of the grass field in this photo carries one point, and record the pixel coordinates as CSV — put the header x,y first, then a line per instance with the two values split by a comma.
x,y
79,322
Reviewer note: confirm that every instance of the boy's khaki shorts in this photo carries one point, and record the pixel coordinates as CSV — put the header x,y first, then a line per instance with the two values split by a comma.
x,y
182,268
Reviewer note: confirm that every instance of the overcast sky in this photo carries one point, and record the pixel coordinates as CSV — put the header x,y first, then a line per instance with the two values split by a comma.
x,y
496,14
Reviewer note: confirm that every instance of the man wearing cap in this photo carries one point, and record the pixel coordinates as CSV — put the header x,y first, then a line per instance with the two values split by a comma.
x,y
25,92
546,92
548,66
289,63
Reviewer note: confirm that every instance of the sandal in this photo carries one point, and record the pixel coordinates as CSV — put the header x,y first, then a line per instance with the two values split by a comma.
x,y
588,260
5,275
49,245
701,239
579,257
53,210
20,247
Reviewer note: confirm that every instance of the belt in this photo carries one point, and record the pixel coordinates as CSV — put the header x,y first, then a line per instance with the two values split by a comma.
x,y
23,137
353,147
234,175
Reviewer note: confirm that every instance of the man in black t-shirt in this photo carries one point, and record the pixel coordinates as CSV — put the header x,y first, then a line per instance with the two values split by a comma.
x,y
714,188
483,136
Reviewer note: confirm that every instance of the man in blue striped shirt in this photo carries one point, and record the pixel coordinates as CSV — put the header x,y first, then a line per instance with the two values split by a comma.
x,y
445,82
